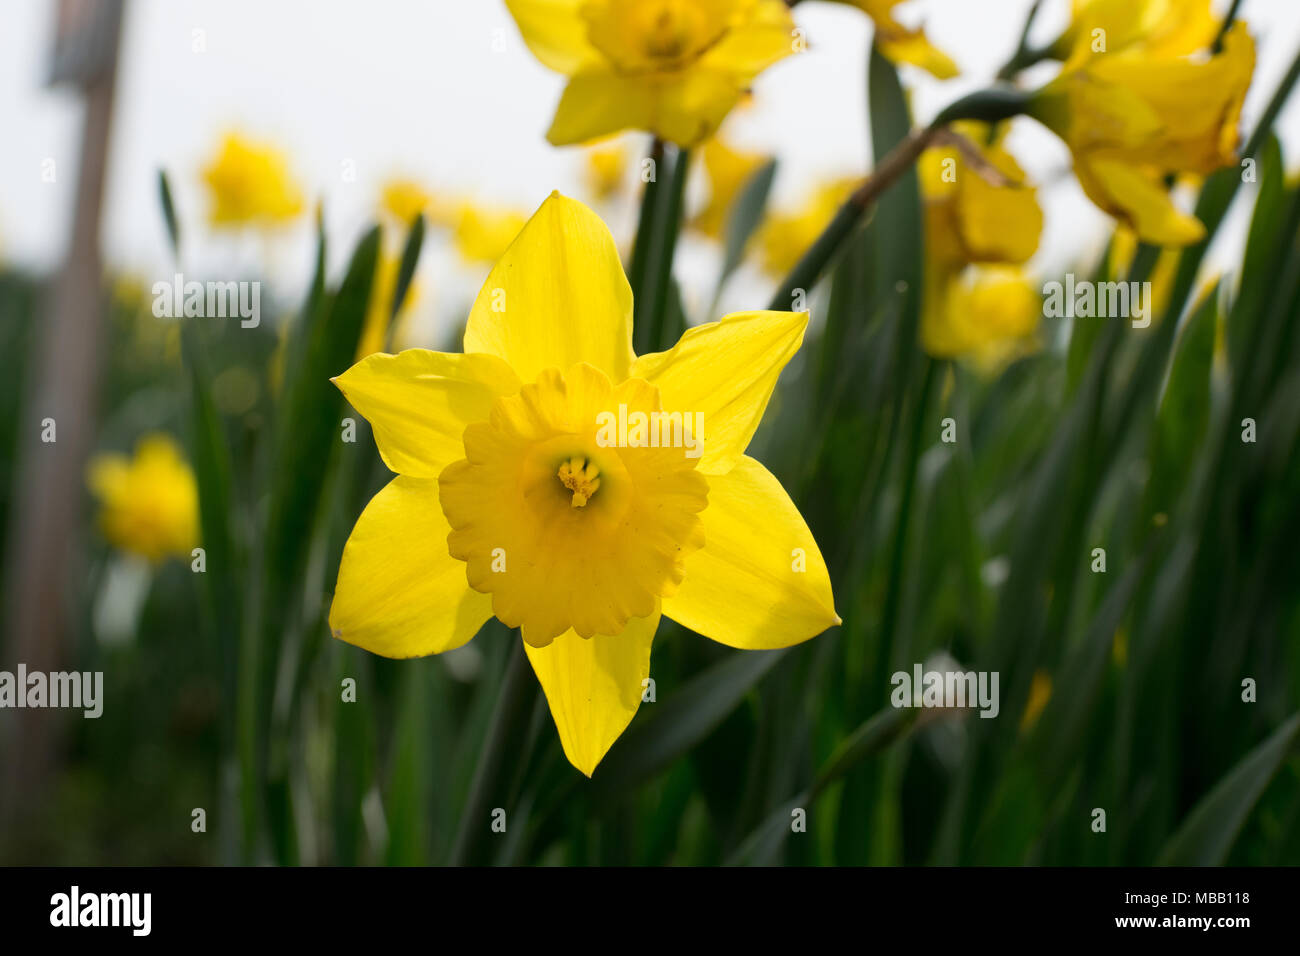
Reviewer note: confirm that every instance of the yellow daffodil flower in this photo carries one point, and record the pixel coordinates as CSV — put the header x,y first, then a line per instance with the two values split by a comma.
x,y
1159,28
149,504
605,167
402,198
1130,119
515,497
970,219
975,304
989,314
249,184
482,233
674,68
727,170
902,45
479,231
785,236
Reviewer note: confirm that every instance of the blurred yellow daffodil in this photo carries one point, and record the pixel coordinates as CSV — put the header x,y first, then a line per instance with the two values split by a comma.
x,y
249,184
672,67
785,236
149,504
404,199
727,170
605,166
976,304
970,219
1161,28
989,314
514,497
1131,119
903,45
482,232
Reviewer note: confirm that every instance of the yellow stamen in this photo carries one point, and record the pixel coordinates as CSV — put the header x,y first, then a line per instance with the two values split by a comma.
x,y
582,478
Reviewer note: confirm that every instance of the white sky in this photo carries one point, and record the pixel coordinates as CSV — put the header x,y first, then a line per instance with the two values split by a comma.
x,y
417,88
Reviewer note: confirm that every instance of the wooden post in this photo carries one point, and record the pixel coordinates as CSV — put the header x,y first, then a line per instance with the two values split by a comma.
x,y
42,555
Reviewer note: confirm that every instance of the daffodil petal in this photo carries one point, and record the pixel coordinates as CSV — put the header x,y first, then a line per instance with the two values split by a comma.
x,y
915,49
557,297
763,38
593,686
1139,200
399,593
759,582
598,103
419,403
725,371
684,108
554,32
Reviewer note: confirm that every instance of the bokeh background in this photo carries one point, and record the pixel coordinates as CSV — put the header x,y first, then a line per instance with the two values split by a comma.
x,y
1120,690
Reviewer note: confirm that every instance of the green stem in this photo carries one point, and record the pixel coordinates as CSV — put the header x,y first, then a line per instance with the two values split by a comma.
x,y
819,255
509,722
636,273
988,105
1217,46
654,295
1024,55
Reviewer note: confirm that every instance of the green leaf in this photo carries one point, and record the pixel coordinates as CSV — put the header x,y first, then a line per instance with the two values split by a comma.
x,y
1184,413
871,737
406,270
354,761
409,788
681,721
1207,835
1062,730
900,251
169,212
306,436
213,474
312,415
744,216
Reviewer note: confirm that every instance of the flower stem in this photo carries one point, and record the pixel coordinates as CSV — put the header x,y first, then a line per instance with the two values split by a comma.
x,y
1217,46
988,105
823,250
636,273
659,241
1025,55
509,723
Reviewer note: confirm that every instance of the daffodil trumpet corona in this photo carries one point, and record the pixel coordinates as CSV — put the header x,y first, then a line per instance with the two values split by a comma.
x,y
521,494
